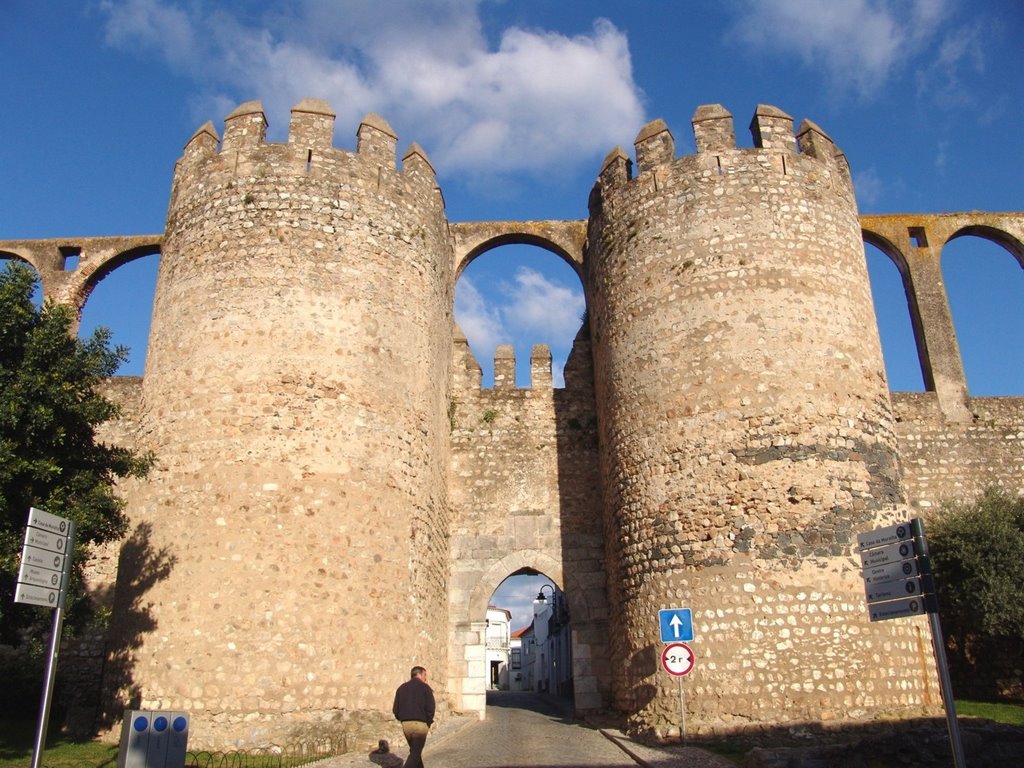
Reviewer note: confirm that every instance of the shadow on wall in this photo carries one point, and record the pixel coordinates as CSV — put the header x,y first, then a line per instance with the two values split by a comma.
x,y
140,567
643,665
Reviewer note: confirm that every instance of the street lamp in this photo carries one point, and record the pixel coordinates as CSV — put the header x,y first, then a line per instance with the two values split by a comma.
x,y
542,628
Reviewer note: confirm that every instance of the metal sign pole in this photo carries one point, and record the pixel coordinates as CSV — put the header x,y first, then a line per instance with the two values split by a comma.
x,y
54,649
939,644
682,711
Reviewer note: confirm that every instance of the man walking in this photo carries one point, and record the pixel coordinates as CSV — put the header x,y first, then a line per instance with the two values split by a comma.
x,y
414,707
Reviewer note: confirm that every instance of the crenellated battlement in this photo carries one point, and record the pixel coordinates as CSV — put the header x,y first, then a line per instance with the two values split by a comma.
x,y
308,150
470,376
505,367
808,150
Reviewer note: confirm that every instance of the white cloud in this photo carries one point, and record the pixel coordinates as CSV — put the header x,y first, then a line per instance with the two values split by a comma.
x,y
150,23
861,42
956,64
869,187
542,307
479,320
530,309
538,99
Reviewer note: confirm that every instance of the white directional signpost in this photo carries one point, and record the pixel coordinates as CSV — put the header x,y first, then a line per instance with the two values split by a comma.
x,y
898,583
676,625
43,580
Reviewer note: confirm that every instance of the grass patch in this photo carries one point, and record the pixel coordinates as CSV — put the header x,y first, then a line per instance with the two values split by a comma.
x,y
1010,714
18,736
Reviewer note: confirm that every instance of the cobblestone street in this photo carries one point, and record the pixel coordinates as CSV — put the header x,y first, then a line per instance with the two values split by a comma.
x,y
527,730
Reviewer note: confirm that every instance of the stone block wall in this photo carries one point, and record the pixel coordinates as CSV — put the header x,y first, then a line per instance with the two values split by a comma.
x,y
956,460
295,395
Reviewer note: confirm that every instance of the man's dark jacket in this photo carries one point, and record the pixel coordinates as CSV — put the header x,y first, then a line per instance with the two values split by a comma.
x,y
414,700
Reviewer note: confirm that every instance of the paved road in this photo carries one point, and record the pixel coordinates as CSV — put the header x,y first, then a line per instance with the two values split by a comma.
x,y
527,730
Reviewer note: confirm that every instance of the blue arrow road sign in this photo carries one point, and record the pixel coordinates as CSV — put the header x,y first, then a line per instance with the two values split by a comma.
x,y
676,625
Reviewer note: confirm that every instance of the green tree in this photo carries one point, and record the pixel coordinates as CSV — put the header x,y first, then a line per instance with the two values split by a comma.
x,y
977,552
50,458
978,556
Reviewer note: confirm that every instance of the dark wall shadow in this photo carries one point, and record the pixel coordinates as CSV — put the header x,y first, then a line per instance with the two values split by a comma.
x,y
589,585
556,707
140,567
909,743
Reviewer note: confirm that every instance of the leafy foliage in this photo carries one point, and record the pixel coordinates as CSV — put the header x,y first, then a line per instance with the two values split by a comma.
x,y
49,455
978,557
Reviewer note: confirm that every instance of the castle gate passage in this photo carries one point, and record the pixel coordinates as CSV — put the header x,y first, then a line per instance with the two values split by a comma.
x,y
524,488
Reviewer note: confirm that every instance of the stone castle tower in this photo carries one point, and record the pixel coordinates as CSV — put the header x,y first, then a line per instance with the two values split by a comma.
x,y
336,497
746,430
295,394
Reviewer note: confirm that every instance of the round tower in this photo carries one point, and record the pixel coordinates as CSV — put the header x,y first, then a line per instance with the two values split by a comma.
x,y
292,542
746,430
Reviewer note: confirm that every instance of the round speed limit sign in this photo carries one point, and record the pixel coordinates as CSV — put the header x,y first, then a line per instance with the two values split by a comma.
x,y
677,659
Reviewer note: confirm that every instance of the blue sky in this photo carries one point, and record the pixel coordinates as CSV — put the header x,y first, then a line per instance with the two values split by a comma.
x,y
516,103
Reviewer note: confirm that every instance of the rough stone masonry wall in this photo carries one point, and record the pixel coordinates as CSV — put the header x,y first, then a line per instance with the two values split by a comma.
x,y
295,396
746,428
947,460
524,494
955,460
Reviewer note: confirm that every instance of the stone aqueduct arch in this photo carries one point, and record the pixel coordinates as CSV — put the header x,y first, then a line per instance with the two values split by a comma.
x,y
914,242
565,239
97,258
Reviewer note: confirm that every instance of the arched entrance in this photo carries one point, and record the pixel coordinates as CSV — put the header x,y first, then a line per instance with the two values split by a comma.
x,y
524,487
566,638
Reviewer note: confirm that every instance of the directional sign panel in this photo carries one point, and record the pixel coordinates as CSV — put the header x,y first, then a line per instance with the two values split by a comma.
x,y
37,518
677,659
38,577
895,570
892,590
889,535
45,559
26,593
676,624
40,539
903,569
896,609
892,553
40,558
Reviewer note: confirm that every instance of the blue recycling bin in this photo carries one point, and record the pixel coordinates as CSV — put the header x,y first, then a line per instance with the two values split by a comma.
x,y
153,739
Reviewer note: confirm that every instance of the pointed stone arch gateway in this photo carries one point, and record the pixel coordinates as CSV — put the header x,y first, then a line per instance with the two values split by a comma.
x,y
588,622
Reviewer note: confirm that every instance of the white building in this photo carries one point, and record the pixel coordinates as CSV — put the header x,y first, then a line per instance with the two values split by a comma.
x,y
498,637
520,673
549,654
